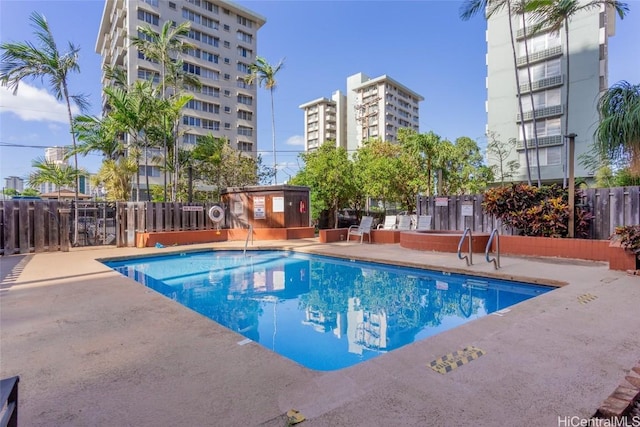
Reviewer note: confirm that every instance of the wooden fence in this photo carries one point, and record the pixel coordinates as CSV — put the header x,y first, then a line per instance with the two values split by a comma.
x,y
46,225
34,226
611,207
135,217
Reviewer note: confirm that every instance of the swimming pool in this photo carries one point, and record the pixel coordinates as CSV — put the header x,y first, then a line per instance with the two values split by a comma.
x,y
323,312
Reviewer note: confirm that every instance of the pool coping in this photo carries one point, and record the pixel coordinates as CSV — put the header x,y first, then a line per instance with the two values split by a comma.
x,y
548,357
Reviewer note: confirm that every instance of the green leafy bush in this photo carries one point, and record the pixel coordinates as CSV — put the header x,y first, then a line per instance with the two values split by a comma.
x,y
535,211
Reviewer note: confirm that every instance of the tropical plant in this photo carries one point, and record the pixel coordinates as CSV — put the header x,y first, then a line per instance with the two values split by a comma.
x,y
101,135
265,75
116,177
490,7
164,47
629,237
535,211
618,133
45,61
59,174
553,15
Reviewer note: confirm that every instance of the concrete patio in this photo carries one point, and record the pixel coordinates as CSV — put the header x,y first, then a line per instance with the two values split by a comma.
x,y
95,348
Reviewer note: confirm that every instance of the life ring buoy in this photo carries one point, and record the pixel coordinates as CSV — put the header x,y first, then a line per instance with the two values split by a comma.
x,y
216,214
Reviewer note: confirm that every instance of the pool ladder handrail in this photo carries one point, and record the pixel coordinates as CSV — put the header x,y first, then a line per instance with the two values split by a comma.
x,y
496,259
246,242
469,257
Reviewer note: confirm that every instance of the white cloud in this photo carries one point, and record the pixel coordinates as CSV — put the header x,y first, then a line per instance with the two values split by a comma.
x,y
33,104
296,140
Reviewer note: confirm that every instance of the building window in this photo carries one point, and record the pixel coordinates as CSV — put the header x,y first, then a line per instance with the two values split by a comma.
x,y
172,5
245,146
148,75
227,93
226,60
191,121
227,76
210,124
149,18
227,110
244,37
191,16
226,27
244,52
194,104
189,138
244,21
153,3
242,67
210,90
227,44
210,23
549,156
245,115
209,107
211,7
227,125
244,130
245,99
146,170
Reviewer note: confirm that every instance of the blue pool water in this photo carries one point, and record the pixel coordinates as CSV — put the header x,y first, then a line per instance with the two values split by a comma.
x,y
325,313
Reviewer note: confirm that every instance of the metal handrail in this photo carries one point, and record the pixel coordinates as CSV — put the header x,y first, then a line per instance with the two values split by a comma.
x,y
246,242
496,259
469,257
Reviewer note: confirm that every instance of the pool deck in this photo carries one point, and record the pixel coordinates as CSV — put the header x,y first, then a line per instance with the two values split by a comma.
x,y
95,348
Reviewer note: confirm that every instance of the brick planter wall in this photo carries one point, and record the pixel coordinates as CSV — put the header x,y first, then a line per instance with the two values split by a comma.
x,y
442,241
332,235
385,236
620,259
170,238
593,250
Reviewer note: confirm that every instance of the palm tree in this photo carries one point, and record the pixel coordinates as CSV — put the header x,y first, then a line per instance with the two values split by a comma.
x,y
265,74
618,134
26,60
101,135
555,14
59,174
116,176
490,7
163,47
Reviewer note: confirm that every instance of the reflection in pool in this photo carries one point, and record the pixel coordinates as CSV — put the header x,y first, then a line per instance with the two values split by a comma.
x,y
325,313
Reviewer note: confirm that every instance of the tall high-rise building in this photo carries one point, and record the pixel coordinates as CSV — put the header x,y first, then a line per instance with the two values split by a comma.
x,y
224,39
371,108
550,67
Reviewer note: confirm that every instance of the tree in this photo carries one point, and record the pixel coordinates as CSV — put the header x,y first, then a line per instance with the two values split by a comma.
x,y
556,14
101,135
618,133
329,174
59,174
163,47
500,152
424,148
265,75
26,60
491,7
115,176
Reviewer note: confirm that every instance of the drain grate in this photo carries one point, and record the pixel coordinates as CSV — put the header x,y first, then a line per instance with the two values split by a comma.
x,y
586,298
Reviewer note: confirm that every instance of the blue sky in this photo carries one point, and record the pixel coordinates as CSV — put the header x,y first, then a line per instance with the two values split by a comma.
x,y
422,44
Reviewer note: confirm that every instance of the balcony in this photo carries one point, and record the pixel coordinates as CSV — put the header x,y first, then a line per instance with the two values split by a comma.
x,y
541,55
520,33
546,83
543,141
541,113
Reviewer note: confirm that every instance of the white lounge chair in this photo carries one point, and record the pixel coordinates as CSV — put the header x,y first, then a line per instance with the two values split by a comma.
x,y
404,222
389,223
364,228
424,222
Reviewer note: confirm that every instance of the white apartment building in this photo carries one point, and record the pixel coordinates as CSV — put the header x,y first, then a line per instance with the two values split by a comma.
x,y
588,34
325,120
371,108
14,183
224,36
